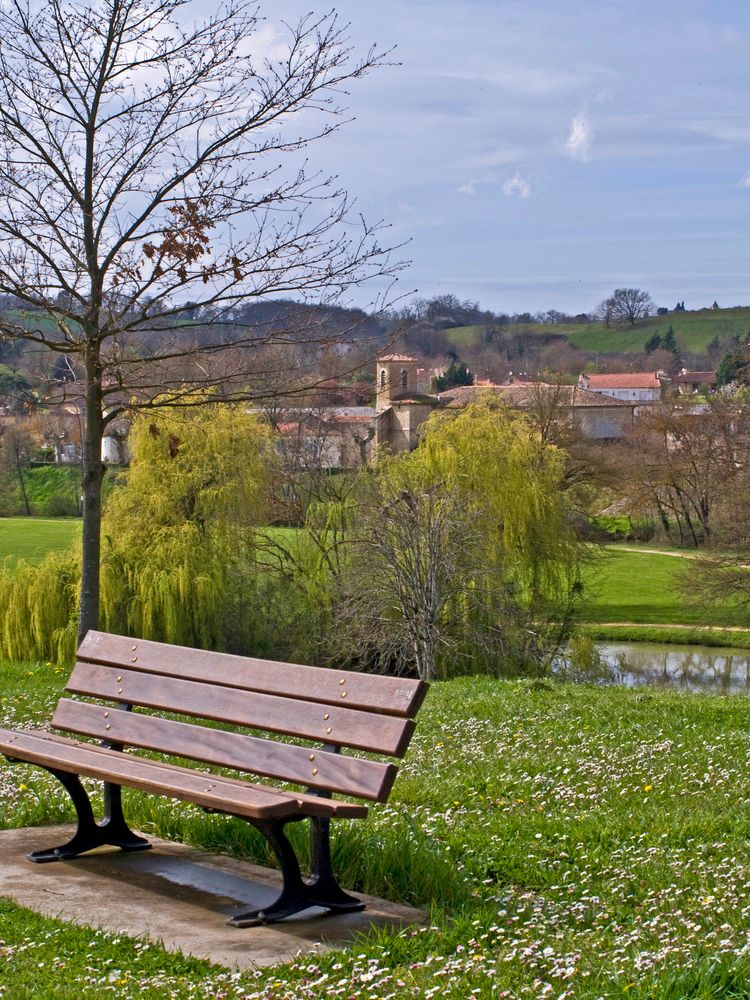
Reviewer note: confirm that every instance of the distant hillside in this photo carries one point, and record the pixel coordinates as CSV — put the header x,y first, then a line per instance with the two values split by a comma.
x,y
694,332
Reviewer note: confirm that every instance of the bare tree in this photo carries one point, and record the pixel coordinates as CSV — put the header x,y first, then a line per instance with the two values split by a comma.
x,y
407,570
16,448
418,593
683,467
552,411
141,193
628,305
603,312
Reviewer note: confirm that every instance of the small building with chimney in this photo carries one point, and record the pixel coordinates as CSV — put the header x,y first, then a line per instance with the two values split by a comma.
x,y
689,383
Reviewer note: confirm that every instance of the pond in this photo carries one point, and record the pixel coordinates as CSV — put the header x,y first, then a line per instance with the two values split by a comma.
x,y
688,668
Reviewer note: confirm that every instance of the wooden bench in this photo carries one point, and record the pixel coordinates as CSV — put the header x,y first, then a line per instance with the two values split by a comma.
x,y
329,709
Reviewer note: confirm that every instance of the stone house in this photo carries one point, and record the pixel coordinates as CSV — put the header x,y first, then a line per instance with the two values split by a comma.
x,y
595,416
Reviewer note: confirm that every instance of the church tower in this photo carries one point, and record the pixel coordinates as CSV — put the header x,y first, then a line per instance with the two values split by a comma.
x,y
400,409
396,376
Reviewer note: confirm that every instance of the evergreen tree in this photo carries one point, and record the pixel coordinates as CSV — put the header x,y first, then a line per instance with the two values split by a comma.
x,y
668,341
733,367
457,373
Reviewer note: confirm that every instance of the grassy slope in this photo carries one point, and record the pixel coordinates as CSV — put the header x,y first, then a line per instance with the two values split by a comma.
x,y
30,538
693,330
630,586
574,842
635,587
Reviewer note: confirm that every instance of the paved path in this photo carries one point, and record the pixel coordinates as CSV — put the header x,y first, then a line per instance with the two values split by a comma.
x,y
177,896
652,552
703,628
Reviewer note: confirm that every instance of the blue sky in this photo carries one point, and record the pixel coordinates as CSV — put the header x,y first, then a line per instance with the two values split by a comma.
x,y
537,155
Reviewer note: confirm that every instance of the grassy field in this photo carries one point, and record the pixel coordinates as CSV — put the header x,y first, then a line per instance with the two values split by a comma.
x,y
693,331
30,538
627,586
571,842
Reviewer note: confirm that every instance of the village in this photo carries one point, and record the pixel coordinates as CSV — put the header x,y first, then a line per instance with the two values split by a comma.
x,y
602,407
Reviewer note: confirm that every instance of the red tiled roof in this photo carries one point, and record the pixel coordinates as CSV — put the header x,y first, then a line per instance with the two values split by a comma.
x,y
622,380
705,378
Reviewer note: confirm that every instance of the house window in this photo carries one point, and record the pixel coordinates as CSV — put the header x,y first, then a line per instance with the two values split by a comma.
x,y
404,378
382,378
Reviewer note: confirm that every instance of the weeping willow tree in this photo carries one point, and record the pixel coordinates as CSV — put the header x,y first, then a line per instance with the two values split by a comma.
x,y
177,530
39,609
499,465
464,558
176,533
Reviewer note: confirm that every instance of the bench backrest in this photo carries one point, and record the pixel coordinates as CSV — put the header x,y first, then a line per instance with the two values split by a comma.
x,y
334,708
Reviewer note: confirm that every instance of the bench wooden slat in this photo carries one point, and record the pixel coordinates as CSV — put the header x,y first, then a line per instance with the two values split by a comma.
x,y
368,692
149,776
252,709
317,768
212,791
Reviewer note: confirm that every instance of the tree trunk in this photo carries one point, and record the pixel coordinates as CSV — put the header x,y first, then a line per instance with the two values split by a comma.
x,y
93,474
19,470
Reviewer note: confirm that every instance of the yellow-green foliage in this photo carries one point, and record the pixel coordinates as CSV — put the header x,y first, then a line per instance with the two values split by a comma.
x,y
464,560
197,478
172,589
39,608
495,459
207,466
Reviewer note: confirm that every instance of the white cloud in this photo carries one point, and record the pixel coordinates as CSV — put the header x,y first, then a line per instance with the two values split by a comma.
x,y
523,81
517,185
579,139
745,182
470,187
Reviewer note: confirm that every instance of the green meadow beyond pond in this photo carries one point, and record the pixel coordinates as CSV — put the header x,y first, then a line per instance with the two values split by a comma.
x,y
571,842
632,585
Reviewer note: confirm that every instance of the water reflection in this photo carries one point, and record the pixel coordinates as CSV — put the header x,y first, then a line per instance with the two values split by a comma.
x,y
689,668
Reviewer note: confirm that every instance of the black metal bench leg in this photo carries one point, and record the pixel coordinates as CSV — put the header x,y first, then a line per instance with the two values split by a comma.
x,y
322,880
113,825
296,894
112,831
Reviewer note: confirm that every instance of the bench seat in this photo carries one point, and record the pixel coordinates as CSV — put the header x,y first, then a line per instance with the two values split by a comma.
x,y
211,791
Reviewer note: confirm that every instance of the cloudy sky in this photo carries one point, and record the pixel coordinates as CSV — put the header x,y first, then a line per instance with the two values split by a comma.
x,y
539,154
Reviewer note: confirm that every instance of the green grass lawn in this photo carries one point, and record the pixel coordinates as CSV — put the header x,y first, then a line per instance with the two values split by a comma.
x,y
463,337
30,538
571,841
629,586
